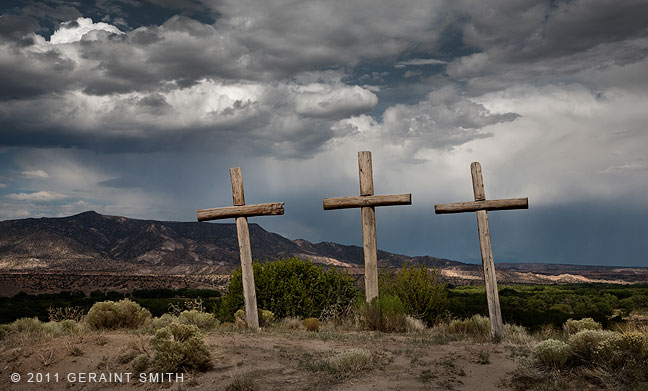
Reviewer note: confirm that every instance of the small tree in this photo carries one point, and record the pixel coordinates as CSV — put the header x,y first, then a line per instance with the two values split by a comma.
x,y
420,290
291,287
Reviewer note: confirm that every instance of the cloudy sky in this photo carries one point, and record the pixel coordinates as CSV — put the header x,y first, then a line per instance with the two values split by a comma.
x,y
139,107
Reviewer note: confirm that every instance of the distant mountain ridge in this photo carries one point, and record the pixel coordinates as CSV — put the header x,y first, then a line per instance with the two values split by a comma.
x,y
89,243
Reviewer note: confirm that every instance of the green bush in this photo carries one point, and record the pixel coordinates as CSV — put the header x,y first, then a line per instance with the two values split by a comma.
x,y
384,313
124,314
179,347
420,290
572,326
162,321
551,353
311,324
476,326
291,287
202,320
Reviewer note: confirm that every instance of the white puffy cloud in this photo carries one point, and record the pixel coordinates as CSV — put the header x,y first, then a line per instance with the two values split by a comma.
x,y
82,28
35,174
37,196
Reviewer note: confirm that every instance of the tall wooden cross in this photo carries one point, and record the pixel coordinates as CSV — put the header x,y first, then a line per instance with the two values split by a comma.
x,y
367,201
241,212
481,205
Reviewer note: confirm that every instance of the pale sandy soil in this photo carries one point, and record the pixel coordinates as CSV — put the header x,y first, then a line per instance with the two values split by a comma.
x,y
274,360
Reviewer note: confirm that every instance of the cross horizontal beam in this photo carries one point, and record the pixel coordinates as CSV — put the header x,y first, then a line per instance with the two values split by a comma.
x,y
271,208
361,201
473,206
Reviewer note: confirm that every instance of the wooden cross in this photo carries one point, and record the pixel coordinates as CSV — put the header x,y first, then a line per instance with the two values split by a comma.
x,y
241,212
481,205
367,201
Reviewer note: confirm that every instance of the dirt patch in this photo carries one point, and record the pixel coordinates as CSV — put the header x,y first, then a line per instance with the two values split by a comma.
x,y
275,359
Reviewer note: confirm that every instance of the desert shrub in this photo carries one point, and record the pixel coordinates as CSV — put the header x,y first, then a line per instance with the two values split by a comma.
x,y
619,348
117,315
179,347
141,363
551,353
291,287
162,321
572,326
5,330
242,381
420,290
516,335
57,314
311,324
28,325
384,313
292,323
583,344
202,320
344,363
475,326
265,318
413,324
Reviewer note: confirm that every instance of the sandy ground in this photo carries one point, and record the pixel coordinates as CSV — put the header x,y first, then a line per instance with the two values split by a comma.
x,y
271,359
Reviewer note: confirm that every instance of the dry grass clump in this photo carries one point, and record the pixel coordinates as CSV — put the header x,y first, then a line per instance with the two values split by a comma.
x,y
344,363
572,326
242,382
517,335
476,326
124,314
179,347
291,323
311,324
202,320
413,324
29,330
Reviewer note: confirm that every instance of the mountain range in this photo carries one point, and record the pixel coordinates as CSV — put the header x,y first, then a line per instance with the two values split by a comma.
x,y
191,253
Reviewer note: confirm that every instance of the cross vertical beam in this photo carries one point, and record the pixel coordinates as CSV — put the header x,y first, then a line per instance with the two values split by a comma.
x,y
369,243
481,206
490,279
367,201
240,211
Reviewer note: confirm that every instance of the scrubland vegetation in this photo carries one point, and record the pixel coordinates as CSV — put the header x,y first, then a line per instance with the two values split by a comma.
x,y
602,351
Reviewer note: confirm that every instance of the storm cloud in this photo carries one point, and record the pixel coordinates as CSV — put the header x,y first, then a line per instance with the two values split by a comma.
x,y
139,107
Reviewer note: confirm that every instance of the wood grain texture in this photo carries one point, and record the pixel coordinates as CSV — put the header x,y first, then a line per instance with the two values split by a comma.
x,y
247,273
490,279
236,177
478,181
226,212
370,252
360,201
473,206
366,173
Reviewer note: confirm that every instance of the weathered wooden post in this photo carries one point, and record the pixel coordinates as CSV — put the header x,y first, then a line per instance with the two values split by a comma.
x,y
367,201
481,206
241,212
